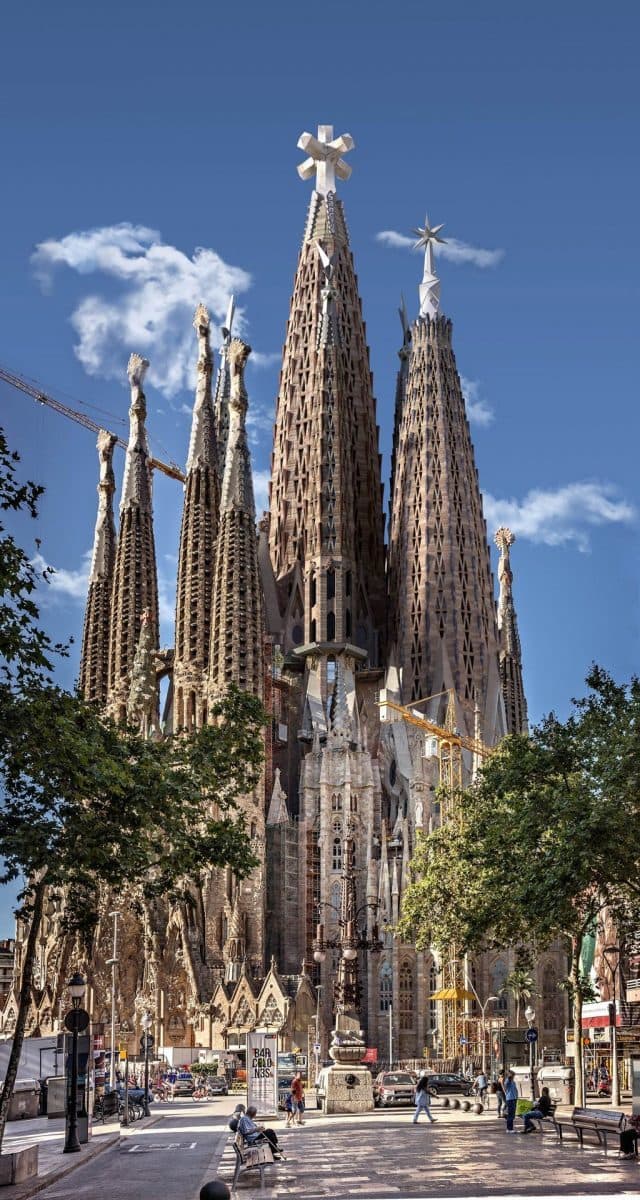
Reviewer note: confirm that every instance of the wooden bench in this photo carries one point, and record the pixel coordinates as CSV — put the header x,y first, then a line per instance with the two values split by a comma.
x,y
601,1121
253,1157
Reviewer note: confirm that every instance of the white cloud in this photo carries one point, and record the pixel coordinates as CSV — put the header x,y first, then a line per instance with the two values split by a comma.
x,y
62,583
152,313
261,359
261,490
452,249
559,516
478,411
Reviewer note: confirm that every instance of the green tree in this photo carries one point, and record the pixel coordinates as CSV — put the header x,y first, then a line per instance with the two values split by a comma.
x,y
519,985
84,803
540,846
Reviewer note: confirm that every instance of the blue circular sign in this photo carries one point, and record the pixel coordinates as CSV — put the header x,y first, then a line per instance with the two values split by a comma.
x,y
531,1035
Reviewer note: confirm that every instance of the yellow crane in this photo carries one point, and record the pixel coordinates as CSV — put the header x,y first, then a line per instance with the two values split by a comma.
x,y
30,389
453,995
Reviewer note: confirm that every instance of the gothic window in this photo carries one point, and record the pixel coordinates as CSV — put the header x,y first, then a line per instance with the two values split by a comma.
x,y
313,590
386,987
313,630
347,622
335,898
406,997
254,829
297,634
331,584
336,854
498,976
336,802
550,999
331,627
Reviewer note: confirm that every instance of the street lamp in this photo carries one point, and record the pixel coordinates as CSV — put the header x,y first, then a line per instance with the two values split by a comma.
x,y
532,1034
611,956
113,963
317,1044
146,1022
74,1021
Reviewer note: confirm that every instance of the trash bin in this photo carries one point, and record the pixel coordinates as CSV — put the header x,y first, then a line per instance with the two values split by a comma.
x,y
25,1101
560,1081
56,1096
523,1080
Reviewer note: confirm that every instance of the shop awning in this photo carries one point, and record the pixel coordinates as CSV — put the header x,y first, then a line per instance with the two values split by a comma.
x,y
452,993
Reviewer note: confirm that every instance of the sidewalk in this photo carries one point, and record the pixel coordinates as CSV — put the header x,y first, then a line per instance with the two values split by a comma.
x,y
53,1164
384,1155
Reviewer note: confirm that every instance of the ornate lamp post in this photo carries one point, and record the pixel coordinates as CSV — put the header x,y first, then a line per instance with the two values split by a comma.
x,y
532,1035
146,1022
350,939
611,956
76,1020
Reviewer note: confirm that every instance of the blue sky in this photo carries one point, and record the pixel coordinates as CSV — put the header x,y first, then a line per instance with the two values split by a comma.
x,y
149,155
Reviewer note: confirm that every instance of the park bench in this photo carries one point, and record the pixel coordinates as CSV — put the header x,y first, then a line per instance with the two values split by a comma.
x,y
251,1158
603,1122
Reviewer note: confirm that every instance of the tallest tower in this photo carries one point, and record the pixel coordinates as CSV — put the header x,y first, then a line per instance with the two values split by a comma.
x,y
326,528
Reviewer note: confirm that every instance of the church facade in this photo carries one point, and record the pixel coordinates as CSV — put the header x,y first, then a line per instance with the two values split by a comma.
x,y
341,633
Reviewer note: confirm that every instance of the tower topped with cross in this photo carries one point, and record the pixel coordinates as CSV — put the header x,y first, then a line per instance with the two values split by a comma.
x,y
325,159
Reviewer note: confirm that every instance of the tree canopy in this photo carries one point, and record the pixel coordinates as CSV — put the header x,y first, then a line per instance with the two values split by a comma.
x,y
85,803
541,845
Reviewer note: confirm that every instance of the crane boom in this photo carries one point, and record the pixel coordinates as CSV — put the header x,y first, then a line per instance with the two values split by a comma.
x,y
443,735
23,385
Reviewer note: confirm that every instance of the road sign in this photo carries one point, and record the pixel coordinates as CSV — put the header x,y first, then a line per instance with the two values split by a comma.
x,y
146,1041
316,1047
531,1035
77,1020
464,1041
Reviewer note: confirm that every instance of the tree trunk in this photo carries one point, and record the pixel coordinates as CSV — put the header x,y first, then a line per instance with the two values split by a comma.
x,y
23,1006
576,948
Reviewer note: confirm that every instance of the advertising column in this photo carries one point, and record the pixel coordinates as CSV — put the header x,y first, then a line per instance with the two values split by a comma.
x,y
262,1072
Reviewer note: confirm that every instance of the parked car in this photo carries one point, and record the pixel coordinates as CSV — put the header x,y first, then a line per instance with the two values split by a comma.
x,y
185,1084
217,1085
443,1085
393,1087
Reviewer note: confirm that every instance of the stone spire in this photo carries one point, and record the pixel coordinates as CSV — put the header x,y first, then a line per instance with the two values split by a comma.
x,y
510,654
326,530
197,546
236,634
135,584
223,388
94,659
439,565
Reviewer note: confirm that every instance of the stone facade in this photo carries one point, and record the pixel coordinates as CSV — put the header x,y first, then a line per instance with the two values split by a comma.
x,y
303,613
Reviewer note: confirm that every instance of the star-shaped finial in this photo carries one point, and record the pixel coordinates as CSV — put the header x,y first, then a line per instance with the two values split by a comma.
x,y
427,235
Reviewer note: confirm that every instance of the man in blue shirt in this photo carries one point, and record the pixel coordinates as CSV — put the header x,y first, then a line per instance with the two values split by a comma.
x,y
511,1097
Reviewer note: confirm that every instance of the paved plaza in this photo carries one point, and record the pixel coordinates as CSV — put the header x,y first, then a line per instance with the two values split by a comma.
x,y
377,1155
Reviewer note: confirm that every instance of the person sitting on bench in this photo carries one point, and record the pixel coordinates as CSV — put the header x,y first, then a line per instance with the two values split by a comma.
x,y
254,1134
542,1108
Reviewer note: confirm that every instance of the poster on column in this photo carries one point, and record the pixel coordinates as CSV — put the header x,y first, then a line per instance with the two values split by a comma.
x,y
262,1072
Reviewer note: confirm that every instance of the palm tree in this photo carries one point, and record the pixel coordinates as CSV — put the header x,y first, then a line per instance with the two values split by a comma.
x,y
519,985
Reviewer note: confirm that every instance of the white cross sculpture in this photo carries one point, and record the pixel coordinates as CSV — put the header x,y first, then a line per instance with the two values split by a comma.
x,y
325,158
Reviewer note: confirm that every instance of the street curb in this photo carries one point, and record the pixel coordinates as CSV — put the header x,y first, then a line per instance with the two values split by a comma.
x,y
32,1188
216,1158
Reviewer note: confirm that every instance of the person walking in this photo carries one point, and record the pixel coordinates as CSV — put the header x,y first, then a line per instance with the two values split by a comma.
x,y
511,1098
423,1100
297,1091
499,1094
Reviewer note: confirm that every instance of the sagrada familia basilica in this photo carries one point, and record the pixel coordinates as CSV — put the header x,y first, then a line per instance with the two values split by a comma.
x,y
387,668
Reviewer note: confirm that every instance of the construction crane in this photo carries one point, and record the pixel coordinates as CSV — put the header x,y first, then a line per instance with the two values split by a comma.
x,y
23,385
453,996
